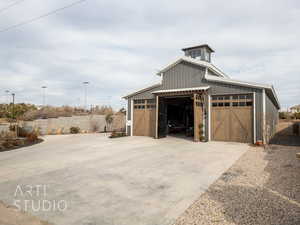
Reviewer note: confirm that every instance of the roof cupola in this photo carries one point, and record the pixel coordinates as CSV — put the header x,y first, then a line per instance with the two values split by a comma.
x,y
201,52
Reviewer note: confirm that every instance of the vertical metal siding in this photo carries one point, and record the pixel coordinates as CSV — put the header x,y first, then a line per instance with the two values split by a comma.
x,y
129,108
258,115
186,75
271,117
183,75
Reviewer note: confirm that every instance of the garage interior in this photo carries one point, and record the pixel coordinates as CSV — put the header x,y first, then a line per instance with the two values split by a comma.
x,y
180,116
176,116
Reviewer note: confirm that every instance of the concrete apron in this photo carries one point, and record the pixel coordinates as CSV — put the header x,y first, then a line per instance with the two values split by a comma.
x,y
130,180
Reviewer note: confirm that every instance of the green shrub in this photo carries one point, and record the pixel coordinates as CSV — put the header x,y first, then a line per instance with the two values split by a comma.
x,y
74,130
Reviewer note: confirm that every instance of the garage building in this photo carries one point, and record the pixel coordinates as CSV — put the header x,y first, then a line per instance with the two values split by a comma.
x,y
196,99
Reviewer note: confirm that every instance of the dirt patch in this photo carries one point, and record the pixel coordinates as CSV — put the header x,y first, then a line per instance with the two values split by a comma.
x,y
12,216
24,144
262,187
286,134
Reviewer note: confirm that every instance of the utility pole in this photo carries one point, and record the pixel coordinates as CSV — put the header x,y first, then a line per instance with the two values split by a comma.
x,y
7,101
85,94
44,95
13,115
13,105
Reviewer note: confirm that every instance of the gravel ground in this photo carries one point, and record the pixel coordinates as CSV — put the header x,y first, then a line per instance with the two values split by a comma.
x,y
262,187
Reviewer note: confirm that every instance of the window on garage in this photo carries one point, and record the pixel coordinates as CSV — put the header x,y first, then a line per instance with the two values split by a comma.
x,y
240,100
144,104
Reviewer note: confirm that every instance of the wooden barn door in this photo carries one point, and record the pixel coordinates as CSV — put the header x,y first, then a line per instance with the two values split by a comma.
x,y
232,118
144,117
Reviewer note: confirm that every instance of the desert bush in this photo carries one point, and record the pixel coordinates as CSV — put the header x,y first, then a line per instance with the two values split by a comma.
x,y
32,136
48,112
15,142
103,110
109,119
74,130
7,144
16,110
297,116
115,134
283,115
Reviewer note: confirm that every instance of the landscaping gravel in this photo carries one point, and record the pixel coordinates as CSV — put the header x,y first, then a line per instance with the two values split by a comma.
x,y
262,187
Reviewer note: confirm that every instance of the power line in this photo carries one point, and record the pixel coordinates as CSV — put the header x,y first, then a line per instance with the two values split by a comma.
x,y
11,5
41,17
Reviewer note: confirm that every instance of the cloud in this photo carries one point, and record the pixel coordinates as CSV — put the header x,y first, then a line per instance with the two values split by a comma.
x,y
118,46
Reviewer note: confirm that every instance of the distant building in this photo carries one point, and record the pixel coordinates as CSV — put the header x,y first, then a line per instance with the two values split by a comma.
x,y
295,109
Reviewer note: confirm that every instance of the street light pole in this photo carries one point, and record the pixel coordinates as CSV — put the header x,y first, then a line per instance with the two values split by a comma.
x,y
13,105
44,95
7,101
85,93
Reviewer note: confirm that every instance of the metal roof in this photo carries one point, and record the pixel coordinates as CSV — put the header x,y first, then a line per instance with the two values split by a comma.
x,y
142,90
198,46
195,62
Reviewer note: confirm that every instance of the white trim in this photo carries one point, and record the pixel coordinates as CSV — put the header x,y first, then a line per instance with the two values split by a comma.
x,y
142,90
264,115
231,81
180,90
126,129
196,62
131,127
156,118
209,117
254,118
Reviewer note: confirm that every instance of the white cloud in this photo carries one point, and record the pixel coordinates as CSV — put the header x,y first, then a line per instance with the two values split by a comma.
x,y
118,46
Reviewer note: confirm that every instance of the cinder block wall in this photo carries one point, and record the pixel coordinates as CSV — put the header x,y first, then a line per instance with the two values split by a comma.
x,y
4,128
90,123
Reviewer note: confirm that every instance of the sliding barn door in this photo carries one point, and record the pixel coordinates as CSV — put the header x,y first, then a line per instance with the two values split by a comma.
x,y
198,116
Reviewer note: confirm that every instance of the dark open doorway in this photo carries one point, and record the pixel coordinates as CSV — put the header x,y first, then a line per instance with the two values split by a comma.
x,y
176,116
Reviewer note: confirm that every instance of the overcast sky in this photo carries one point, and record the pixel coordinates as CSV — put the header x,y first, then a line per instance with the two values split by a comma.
x,y
118,46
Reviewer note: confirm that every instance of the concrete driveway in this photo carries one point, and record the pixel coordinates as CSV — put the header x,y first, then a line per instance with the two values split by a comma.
x,y
126,181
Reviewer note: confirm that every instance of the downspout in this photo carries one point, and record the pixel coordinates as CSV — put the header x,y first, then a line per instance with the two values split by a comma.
x,y
131,119
156,117
254,118
264,114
